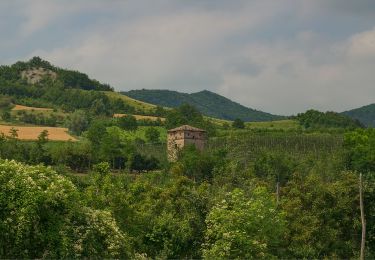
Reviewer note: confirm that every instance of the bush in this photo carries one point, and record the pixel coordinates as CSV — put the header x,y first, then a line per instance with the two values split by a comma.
x,y
238,123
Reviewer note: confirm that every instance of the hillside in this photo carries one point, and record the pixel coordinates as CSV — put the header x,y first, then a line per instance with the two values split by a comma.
x,y
36,69
365,114
209,103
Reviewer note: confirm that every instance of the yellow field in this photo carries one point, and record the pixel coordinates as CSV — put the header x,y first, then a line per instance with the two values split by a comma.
x,y
141,117
20,107
32,132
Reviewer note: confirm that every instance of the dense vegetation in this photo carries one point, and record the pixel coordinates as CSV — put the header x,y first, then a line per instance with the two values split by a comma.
x,y
266,190
365,114
208,205
314,119
206,102
69,78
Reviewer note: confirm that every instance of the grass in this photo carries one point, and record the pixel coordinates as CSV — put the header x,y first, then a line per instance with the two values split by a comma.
x,y
218,121
140,133
287,124
140,105
21,107
142,117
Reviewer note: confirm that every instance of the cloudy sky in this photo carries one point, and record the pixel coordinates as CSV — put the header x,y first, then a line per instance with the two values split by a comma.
x,y
279,56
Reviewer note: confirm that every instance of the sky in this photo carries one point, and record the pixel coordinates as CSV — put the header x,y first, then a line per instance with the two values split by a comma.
x,y
278,56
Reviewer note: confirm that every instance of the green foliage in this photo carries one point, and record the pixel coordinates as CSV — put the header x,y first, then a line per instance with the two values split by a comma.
x,y
141,163
244,227
5,101
198,165
42,216
5,115
96,131
360,150
152,135
39,118
208,103
78,122
75,155
169,218
115,148
323,216
316,119
238,123
274,167
71,79
128,123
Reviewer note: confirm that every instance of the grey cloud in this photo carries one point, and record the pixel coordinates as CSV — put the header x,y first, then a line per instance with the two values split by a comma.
x,y
278,56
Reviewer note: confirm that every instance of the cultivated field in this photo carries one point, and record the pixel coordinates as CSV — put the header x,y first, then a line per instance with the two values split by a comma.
x,y
20,107
32,132
141,117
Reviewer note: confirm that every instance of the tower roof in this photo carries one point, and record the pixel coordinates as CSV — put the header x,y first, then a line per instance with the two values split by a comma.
x,y
186,128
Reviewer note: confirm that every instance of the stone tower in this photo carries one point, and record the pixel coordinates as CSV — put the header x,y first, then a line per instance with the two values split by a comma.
x,y
184,135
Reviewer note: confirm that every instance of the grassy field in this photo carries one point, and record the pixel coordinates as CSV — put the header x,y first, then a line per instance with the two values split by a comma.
x,y
132,102
280,124
21,107
32,132
142,117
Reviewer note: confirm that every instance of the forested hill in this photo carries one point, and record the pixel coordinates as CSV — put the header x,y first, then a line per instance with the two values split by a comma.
x,y
36,70
208,103
365,114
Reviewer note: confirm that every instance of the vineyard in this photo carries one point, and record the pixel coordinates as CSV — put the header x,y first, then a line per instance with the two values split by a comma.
x,y
245,145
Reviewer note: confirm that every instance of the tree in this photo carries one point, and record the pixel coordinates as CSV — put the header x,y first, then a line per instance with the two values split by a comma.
x,y
6,116
152,135
42,216
197,165
323,216
96,132
98,107
38,152
13,133
360,152
188,114
115,148
238,123
244,227
78,122
160,111
127,122
141,163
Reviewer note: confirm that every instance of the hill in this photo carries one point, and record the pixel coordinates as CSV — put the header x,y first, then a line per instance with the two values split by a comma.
x,y
365,114
35,70
207,102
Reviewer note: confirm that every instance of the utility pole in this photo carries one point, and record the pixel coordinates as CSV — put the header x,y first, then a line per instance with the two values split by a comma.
x,y
363,221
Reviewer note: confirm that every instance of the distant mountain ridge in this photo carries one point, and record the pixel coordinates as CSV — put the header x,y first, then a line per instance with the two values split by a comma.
x,y
365,114
207,102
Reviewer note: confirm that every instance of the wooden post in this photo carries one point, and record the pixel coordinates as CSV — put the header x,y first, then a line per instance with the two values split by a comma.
x,y
277,192
363,221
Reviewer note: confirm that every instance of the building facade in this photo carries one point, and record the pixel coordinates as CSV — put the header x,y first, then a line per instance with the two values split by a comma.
x,y
182,136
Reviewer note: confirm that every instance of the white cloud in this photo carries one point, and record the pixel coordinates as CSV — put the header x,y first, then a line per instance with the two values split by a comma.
x,y
362,45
